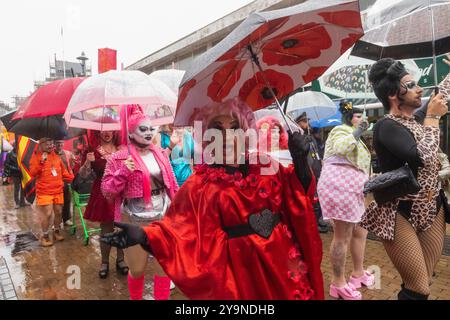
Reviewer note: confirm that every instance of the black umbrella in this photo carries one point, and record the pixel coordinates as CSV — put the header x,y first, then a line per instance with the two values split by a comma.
x,y
407,30
6,119
43,127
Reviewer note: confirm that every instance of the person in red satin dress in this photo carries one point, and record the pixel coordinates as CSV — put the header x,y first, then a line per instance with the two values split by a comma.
x,y
235,232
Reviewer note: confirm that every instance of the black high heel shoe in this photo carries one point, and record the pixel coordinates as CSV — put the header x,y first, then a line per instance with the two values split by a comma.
x,y
122,267
104,271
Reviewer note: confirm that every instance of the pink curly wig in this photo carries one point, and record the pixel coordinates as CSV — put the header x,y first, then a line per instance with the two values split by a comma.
x,y
235,108
267,136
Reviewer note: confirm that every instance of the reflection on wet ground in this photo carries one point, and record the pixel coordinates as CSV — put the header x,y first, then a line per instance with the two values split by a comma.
x,y
23,241
48,273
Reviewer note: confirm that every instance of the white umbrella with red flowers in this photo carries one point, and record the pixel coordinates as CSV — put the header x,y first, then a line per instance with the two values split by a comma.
x,y
270,55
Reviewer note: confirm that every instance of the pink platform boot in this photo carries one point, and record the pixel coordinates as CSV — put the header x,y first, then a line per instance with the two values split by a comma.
x,y
161,288
135,287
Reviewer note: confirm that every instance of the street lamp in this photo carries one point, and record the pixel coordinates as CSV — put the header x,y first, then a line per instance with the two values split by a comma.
x,y
82,60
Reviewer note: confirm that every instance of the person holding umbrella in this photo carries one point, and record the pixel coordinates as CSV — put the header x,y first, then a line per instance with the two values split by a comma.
x,y
140,179
102,144
412,226
237,231
315,163
50,173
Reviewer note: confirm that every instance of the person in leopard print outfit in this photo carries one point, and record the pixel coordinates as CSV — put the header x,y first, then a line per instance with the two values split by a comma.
x,y
412,228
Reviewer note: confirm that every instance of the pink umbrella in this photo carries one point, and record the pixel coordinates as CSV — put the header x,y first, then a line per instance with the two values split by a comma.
x,y
101,96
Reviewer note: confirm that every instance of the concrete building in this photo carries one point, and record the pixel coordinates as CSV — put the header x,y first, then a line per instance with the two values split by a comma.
x,y
56,71
181,53
4,108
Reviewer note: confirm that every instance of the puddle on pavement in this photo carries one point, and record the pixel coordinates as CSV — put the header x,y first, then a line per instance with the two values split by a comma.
x,y
20,242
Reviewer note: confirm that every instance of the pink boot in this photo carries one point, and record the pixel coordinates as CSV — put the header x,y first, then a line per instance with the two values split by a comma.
x,y
368,280
161,288
136,287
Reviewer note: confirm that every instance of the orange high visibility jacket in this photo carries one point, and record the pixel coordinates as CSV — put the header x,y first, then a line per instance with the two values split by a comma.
x,y
48,183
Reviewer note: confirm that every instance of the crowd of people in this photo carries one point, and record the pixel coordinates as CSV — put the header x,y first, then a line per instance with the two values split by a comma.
x,y
230,231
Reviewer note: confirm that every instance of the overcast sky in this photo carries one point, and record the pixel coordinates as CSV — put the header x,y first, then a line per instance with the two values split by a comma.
x,y
30,32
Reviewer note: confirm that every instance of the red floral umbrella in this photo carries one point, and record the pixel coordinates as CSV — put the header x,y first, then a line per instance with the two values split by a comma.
x,y
48,100
270,55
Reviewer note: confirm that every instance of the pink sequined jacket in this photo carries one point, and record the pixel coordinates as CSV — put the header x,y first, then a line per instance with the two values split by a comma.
x,y
120,183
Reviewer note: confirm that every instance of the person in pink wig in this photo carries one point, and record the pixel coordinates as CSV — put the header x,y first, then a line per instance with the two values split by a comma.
x,y
141,181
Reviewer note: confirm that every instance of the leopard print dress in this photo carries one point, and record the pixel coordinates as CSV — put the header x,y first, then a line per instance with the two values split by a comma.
x,y
380,220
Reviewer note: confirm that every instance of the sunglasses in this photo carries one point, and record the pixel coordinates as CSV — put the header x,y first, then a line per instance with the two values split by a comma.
x,y
410,85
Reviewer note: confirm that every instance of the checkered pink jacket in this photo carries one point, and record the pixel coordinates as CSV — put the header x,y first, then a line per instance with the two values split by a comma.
x,y
120,183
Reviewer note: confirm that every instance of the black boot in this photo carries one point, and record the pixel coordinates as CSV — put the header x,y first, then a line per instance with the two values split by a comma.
x,y
406,294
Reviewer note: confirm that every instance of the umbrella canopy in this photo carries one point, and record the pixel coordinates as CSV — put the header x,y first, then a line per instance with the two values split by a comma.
x,y
406,30
316,105
7,119
100,97
49,100
270,54
332,121
170,77
43,127
273,111
348,77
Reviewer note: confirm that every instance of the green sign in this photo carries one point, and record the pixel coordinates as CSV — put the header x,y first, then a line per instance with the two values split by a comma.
x,y
427,70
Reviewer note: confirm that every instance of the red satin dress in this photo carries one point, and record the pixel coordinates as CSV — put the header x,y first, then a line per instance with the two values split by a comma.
x,y
196,253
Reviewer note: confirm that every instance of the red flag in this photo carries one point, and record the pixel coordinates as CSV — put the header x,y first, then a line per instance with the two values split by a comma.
x,y
107,60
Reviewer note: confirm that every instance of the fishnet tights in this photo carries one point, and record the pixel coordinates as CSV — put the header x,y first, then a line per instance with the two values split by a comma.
x,y
415,255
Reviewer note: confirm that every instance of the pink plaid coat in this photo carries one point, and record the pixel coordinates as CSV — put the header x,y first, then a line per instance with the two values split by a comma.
x,y
120,183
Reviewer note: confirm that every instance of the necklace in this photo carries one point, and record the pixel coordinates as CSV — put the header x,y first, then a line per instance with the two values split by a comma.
x,y
106,154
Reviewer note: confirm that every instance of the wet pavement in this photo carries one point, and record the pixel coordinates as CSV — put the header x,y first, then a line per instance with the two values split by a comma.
x,y
28,271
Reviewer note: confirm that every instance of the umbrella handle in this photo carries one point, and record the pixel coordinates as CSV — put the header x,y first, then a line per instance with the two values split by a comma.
x,y
126,129
256,61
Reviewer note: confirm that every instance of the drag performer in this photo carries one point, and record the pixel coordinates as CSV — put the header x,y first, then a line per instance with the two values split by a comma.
x,y
412,227
271,126
140,179
235,232
273,137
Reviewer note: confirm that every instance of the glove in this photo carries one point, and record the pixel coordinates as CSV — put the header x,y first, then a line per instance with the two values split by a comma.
x,y
129,236
363,126
299,146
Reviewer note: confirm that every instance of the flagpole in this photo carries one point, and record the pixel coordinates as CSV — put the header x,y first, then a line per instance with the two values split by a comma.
x,y
64,60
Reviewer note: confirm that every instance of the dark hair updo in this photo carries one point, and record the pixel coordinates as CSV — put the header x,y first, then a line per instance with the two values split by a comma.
x,y
347,110
385,76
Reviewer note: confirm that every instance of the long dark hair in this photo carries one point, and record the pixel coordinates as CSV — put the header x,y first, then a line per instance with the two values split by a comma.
x,y
94,139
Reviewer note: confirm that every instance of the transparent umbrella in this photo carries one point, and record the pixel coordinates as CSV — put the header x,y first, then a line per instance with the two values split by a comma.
x,y
97,101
